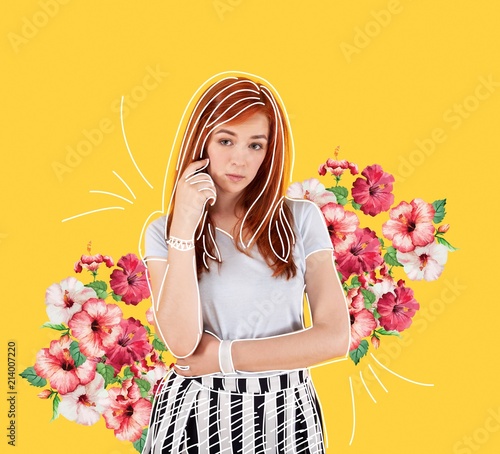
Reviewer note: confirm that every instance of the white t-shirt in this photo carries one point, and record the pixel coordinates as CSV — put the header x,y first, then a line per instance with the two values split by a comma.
x,y
243,300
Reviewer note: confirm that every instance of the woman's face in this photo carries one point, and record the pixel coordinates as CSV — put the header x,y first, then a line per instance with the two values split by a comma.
x,y
236,151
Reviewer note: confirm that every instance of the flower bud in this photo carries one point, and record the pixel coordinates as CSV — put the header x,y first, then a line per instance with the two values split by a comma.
x,y
375,341
45,394
443,228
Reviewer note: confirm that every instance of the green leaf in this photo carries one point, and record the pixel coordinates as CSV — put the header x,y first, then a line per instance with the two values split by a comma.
x,y
341,193
100,288
390,257
384,332
32,377
139,444
359,352
375,313
355,205
381,241
107,372
148,329
116,297
355,282
144,386
159,345
368,297
440,211
445,243
57,327
76,354
127,373
55,407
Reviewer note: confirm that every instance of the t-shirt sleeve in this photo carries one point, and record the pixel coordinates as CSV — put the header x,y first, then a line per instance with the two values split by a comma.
x,y
312,227
155,244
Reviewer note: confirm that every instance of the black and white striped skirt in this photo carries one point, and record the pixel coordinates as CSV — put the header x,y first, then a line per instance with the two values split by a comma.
x,y
279,413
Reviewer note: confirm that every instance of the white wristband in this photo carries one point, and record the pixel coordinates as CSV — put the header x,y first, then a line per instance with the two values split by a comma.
x,y
225,359
181,245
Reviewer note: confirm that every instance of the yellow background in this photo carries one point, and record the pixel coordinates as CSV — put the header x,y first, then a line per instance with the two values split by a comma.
x,y
373,77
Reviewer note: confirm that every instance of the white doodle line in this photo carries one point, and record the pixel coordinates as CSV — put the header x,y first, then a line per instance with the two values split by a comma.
x,y
118,176
400,376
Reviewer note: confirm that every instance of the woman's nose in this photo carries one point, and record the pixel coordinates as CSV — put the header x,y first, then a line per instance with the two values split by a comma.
x,y
239,155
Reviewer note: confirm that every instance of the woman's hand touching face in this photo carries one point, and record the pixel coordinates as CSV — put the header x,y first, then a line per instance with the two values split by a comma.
x,y
194,189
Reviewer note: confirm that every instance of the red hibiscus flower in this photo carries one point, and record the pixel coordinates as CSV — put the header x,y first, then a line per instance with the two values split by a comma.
x,y
128,413
130,346
362,320
373,194
97,326
361,255
131,283
92,262
56,365
341,225
397,309
410,225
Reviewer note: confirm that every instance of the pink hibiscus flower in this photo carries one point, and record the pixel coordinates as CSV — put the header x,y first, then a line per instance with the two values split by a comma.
x,y
56,365
341,225
312,190
131,282
410,225
337,168
92,262
373,194
66,298
397,309
128,413
362,254
86,403
362,320
425,262
97,326
130,346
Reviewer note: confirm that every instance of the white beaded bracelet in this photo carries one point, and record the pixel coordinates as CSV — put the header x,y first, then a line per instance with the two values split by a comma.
x,y
225,360
181,245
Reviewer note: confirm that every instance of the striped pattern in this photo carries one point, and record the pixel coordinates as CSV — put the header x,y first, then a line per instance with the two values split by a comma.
x,y
241,415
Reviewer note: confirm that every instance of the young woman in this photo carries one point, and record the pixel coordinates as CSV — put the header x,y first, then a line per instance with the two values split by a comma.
x,y
229,265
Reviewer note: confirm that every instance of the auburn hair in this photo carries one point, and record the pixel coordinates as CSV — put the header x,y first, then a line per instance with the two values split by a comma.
x,y
267,217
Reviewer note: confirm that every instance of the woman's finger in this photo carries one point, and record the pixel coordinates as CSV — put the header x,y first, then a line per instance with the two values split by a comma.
x,y
194,167
207,185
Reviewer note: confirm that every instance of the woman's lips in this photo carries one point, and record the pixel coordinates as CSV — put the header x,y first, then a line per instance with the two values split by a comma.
x,y
234,177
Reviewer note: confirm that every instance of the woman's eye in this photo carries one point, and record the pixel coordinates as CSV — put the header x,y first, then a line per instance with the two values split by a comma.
x,y
256,146
225,142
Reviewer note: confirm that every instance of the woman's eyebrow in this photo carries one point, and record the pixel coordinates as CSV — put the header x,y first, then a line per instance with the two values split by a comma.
x,y
231,133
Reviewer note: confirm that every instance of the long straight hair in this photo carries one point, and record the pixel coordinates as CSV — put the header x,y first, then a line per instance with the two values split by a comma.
x,y
267,217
